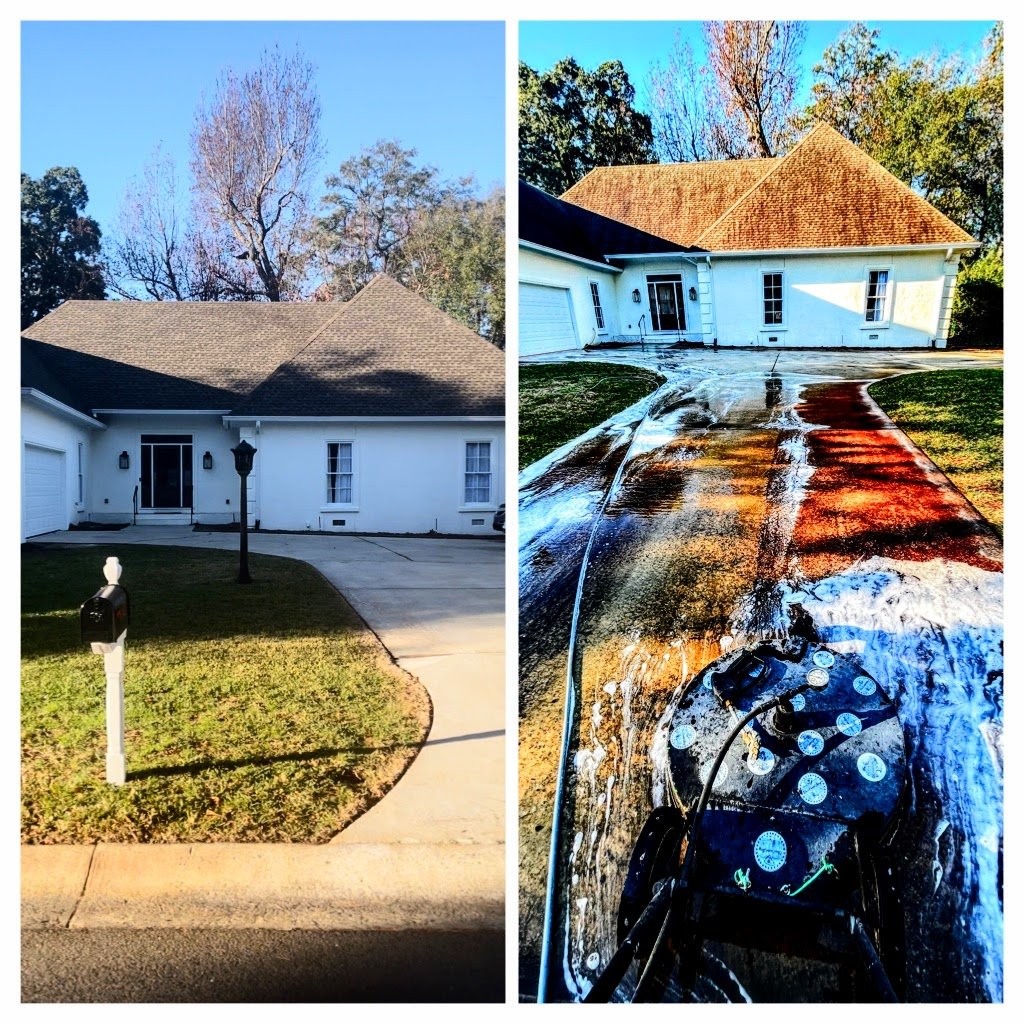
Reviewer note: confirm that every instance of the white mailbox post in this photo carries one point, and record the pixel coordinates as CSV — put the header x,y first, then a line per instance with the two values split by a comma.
x,y
104,620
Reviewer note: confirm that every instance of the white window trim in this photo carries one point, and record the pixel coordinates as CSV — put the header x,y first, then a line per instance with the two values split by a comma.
x,y
473,506
886,321
80,503
771,328
592,284
346,506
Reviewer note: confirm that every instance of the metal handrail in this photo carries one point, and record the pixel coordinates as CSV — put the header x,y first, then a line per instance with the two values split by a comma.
x,y
640,324
135,506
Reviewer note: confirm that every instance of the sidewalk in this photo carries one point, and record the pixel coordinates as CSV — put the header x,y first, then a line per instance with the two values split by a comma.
x,y
431,854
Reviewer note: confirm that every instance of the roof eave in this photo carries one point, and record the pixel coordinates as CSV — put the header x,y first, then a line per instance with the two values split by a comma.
x,y
40,398
833,250
561,254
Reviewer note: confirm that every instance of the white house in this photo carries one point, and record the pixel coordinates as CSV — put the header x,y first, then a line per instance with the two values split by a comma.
x,y
820,248
379,415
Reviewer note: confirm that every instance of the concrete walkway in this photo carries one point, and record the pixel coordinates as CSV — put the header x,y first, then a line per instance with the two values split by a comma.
x,y
430,854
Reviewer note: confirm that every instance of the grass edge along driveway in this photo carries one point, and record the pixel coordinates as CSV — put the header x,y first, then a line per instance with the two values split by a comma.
x,y
261,713
956,418
560,401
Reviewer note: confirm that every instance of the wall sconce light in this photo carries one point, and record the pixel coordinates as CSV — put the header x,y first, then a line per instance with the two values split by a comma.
x,y
122,460
693,294
207,460
636,294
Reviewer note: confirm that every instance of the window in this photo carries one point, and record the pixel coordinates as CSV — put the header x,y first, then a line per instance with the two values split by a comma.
x,y
595,295
339,472
878,290
81,474
772,292
665,296
477,490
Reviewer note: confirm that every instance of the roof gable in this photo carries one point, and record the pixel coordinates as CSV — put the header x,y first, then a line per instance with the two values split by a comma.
x,y
673,201
388,352
829,193
825,193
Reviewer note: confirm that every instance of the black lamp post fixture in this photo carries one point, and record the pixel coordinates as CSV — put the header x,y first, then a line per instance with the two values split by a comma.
x,y
243,464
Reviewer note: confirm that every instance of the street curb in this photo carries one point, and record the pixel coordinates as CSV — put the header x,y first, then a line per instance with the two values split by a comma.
x,y
370,886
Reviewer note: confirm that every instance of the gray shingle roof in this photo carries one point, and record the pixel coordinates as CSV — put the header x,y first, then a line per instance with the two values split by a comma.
x,y
387,352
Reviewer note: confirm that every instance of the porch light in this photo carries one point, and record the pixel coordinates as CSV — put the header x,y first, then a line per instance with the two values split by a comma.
x,y
693,294
207,460
122,460
636,294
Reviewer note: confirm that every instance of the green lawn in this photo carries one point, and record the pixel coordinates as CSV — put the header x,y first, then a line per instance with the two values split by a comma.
x,y
252,713
560,401
956,418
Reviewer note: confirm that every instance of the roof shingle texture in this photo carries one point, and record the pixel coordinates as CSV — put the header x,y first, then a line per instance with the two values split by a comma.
x,y
388,352
554,224
268,358
824,193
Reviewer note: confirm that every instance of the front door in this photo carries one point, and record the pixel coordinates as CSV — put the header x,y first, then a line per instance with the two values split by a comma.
x,y
665,294
166,471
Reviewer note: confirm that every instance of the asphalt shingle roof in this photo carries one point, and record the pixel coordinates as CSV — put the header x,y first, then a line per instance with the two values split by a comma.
x,y
548,221
387,352
825,193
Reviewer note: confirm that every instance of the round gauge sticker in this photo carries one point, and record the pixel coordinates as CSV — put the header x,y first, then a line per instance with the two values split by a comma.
x,y
848,723
872,767
705,771
799,702
594,961
823,659
864,685
810,742
770,851
763,763
683,736
812,788
818,678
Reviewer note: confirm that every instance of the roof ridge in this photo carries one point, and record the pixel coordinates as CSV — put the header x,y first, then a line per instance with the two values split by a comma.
x,y
777,166
309,341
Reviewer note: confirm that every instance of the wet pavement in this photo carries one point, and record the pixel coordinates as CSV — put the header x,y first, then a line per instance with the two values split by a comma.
x,y
702,516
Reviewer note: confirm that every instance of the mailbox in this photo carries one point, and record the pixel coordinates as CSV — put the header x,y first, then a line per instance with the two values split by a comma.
x,y
105,616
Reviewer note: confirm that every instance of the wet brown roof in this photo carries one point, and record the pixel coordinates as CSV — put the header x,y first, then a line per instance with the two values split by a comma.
x,y
824,193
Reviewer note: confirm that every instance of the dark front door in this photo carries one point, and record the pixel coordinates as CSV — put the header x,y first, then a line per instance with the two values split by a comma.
x,y
665,294
166,471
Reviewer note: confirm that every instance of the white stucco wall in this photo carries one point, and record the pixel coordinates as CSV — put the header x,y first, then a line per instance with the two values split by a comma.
x,y
407,478
49,430
551,271
634,276
824,300
215,491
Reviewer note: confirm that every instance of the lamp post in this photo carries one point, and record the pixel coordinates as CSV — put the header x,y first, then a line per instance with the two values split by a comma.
x,y
243,464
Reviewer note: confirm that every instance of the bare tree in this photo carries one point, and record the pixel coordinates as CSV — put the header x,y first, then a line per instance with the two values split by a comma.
x,y
255,147
755,64
154,252
684,105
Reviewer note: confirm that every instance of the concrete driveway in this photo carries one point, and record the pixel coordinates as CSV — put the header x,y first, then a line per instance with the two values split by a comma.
x,y
699,517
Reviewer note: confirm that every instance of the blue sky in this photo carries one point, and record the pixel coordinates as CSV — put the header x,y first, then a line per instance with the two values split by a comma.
x,y
638,44
100,96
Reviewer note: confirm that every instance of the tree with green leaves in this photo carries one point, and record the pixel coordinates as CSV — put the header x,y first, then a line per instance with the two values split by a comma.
x,y
455,257
60,246
572,120
374,203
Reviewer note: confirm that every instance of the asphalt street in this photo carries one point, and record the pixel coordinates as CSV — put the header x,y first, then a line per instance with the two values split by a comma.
x,y
117,965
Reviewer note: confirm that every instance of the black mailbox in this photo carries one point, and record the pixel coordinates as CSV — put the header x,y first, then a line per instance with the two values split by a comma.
x,y
105,615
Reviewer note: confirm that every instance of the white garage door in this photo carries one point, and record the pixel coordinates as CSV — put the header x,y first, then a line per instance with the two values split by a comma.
x,y
43,501
545,320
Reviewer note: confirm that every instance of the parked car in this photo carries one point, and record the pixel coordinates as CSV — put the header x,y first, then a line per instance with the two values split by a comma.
x,y
499,519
